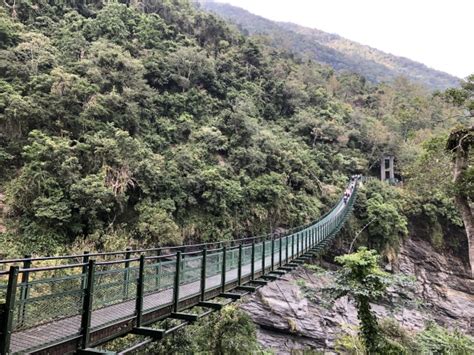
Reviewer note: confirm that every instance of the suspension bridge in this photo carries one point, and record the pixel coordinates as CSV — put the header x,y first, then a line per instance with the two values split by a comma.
x,y
76,303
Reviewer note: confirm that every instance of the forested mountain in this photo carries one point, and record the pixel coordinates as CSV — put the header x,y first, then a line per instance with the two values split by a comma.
x,y
331,49
154,124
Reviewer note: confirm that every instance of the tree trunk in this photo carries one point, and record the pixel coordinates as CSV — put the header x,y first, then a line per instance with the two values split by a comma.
x,y
466,214
459,143
369,326
462,201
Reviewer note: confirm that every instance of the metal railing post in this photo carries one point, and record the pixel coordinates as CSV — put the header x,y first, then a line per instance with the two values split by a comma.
x,y
126,274
224,267
298,244
24,290
303,237
8,311
176,282
239,265
87,305
158,271
287,248
305,240
252,266
292,246
273,252
85,261
140,292
263,255
281,250
203,273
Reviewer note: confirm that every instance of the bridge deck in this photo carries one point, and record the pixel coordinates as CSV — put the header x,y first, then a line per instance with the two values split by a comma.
x,y
30,339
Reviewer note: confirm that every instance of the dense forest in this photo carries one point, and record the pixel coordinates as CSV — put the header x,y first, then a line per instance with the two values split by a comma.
x,y
340,53
154,123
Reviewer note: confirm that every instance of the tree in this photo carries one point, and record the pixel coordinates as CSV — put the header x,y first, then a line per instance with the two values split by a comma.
x,y
362,279
459,143
379,206
230,332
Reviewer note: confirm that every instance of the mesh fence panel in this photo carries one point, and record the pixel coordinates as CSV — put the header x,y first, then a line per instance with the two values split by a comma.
x,y
115,289
246,260
168,269
214,264
190,277
285,244
3,291
152,277
268,247
258,256
159,288
213,269
232,259
190,269
43,301
232,263
114,285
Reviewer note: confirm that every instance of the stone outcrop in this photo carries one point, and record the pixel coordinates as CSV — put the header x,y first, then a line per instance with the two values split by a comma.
x,y
443,284
293,314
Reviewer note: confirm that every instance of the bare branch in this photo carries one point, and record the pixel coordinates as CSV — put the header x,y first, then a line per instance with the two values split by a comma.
x,y
358,233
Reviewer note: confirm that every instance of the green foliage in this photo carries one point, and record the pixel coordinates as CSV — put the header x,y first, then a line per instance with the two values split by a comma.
x,y
349,342
362,279
395,339
155,224
8,30
360,275
437,340
230,331
380,208
233,332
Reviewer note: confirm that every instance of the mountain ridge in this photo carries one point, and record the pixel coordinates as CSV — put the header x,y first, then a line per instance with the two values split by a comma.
x,y
334,50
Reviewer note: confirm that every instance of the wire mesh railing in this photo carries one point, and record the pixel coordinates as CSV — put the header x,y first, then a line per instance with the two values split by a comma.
x,y
82,294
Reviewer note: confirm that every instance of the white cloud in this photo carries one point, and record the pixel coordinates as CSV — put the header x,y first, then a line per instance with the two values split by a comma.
x,y
435,32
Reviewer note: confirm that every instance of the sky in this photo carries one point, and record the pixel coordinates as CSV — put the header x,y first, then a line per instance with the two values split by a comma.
x,y
438,33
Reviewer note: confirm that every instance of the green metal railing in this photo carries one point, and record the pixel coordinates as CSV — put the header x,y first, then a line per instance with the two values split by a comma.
x,y
46,305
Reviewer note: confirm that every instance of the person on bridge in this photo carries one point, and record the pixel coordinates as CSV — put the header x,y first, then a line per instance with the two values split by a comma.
x,y
347,194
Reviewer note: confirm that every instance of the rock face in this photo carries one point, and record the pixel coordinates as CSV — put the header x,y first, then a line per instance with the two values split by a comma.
x,y
291,313
443,284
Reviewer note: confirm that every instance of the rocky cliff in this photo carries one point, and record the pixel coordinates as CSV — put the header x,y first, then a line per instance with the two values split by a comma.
x,y
292,314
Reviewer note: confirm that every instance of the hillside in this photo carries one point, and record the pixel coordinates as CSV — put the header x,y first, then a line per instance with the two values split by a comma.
x,y
161,125
336,51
